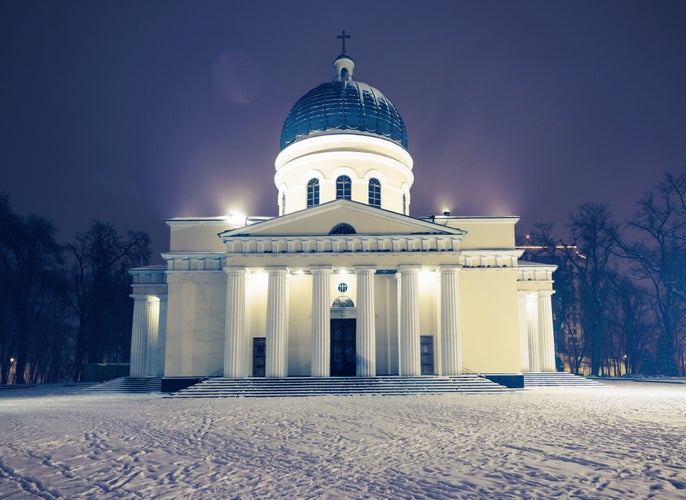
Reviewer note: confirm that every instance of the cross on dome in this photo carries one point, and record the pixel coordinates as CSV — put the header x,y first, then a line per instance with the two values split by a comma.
x,y
342,37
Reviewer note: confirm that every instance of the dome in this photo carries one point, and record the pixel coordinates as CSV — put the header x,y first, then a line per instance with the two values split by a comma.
x,y
343,105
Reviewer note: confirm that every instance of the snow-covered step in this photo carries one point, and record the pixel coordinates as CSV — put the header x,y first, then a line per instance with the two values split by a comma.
x,y
331,386
129,385
557,379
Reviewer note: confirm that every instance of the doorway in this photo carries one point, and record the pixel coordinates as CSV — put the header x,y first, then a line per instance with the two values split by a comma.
x,y
343,348
426,350
259,351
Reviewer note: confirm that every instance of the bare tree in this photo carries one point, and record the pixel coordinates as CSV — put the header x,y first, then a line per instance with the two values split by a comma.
x,y
98,293
630,325
658,253
595,235
29,268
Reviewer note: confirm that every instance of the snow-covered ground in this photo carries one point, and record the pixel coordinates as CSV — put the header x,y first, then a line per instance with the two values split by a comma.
x,y
624,440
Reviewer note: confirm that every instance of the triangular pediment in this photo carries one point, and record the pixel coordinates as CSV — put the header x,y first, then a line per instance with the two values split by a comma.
x,y
320,220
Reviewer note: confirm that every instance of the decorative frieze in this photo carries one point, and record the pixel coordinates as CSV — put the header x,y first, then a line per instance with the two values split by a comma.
x,y
343,244
194,262
489,258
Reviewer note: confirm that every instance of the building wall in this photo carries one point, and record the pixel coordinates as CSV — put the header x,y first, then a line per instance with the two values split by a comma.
x,y
489,322
195,323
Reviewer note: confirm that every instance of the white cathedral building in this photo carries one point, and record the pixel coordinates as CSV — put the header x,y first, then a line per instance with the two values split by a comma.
x,y
344,282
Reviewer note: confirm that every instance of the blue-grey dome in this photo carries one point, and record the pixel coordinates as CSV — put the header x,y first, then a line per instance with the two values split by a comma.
x,y
343,105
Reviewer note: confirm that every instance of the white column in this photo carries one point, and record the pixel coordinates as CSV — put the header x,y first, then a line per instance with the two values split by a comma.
x,y
235,352
408,338
161,337
450,322
153,304
523,332
139,336
321,322
545,331
532,332
277,324
366,331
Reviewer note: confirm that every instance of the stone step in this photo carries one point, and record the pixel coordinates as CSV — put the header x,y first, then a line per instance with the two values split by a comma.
x,y
557,379
129,385
336,386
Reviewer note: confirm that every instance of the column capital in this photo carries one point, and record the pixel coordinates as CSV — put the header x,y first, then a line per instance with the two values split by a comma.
x,y
449,267
276,269
365,269
235,270
545,293
406,268
321,269
144,297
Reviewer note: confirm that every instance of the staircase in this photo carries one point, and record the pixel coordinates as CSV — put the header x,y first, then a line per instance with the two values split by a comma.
x,y
336,386
129,385
557,379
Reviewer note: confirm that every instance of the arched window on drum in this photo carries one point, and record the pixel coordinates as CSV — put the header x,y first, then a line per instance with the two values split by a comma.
x,y
343,187
313,193
374,193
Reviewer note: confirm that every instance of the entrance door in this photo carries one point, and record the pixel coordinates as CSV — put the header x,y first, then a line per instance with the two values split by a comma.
x,y
259,349
426,349
343,354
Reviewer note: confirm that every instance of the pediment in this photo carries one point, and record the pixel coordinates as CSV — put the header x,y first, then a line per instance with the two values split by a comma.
x,y
320,220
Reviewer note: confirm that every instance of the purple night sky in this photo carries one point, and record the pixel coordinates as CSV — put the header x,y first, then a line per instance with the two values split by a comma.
x,y
137,111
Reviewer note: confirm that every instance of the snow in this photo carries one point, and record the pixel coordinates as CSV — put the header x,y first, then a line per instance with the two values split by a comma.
x,y
623,440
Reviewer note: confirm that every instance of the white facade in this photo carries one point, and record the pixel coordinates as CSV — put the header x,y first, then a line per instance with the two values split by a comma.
x,y
344,282
279,281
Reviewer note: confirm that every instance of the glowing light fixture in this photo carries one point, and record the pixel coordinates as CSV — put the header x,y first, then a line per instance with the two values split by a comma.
x,y
236,219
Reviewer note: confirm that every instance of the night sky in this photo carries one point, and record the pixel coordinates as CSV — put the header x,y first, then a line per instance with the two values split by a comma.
x,y
137,111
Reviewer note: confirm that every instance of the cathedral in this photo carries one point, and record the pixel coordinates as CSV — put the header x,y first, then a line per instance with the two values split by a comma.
x,y
344,282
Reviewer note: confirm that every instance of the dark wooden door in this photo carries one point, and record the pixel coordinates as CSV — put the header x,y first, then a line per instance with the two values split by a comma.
x,y
343,354
259,349
426,350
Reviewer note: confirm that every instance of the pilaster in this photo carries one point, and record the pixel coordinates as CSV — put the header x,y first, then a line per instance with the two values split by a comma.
x,y
321,322
450,321
533,334
277,323
139,336
545,331
153,316
408,338
366,332
161,336
235,352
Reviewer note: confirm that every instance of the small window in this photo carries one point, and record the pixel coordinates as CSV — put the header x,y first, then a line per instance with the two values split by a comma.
x,y
374,193
313,193
343,185
344,74
343,228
